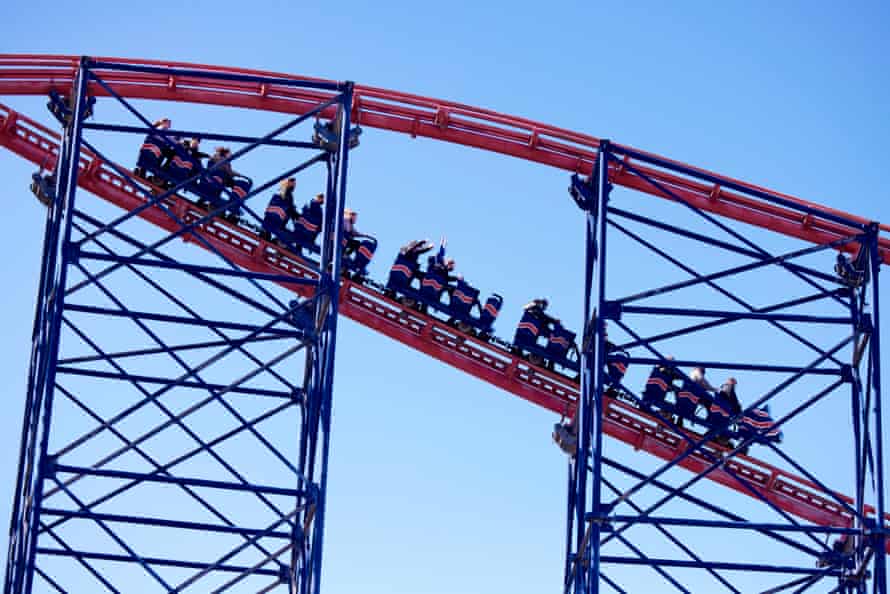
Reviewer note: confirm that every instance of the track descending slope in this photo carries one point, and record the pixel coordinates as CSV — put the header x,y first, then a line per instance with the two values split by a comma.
x,y
483,360
455,123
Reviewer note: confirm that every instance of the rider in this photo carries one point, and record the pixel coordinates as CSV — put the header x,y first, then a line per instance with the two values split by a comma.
x,y
438,277
560,344
155,150
406,265
185,162
308,224
723,405
534,323
695,391
660,382
360,246
279,211
218,179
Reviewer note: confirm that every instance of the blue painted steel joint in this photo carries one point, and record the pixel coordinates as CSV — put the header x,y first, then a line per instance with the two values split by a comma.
x,y
48,466
612,310
71,251
326,137
60,107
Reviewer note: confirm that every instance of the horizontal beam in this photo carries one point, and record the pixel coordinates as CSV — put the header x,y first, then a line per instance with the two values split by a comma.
x,y
195,268
203,135
182,320
739,366
732,315
163,523
176,480
183,383
757,526
95,556
759,567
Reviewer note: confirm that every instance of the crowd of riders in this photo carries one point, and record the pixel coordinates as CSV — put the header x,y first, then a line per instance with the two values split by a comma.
x,y
170,162
173,163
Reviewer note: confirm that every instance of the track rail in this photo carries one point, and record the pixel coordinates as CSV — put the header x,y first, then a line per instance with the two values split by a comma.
x,y
460,124
483,360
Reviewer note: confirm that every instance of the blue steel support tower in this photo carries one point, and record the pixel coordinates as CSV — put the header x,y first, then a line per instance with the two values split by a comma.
x,y
171,437
623,519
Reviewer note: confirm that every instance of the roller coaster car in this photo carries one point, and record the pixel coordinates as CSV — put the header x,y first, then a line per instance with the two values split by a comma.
x,y
616,365
358,254
210,189
756,421
149,165
692,398
560,349
432,285
181,167
326,137
241,186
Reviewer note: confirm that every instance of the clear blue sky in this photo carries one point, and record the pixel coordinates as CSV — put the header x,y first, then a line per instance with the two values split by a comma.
x,y
440,483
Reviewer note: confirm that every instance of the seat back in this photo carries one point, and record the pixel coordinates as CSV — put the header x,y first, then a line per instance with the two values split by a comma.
x,y
463,298
559,342
432,286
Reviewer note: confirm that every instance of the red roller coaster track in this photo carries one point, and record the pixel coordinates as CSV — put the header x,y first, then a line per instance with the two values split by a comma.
x,y
442,120
452,122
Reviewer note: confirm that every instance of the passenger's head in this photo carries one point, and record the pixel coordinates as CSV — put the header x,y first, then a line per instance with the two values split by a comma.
x,y
697,374
287,185
731,381
162,124
350,215
449,263
194,142
542,303
319,198
223,151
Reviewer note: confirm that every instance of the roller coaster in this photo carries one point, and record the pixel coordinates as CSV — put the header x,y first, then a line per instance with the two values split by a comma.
x,y
74,518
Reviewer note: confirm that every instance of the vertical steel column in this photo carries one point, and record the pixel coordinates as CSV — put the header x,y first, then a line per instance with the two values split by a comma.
x,y
47,323
599,364
583,562
879,538
315,438
20,520
859,332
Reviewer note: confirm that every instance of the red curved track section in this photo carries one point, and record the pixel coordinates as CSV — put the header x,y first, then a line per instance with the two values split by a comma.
x,y
450,122
485,361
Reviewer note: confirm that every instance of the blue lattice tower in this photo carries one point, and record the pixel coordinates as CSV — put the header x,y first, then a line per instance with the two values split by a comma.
x,y
172,438
814,324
